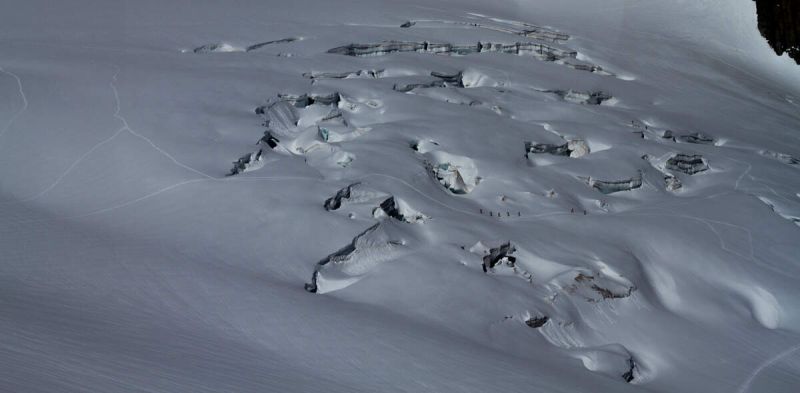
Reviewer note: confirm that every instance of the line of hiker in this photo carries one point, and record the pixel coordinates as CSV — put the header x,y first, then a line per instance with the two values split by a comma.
x,y
519,214
499,214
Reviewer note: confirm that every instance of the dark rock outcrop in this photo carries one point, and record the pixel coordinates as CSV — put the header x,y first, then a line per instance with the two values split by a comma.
x,y
779,23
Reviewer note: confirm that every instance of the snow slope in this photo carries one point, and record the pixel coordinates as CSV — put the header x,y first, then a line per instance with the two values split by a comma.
x,y
426,196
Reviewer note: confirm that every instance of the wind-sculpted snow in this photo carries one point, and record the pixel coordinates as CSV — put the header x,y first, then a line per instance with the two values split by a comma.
x,y
457,174
268,214
612,360
346,266
495,24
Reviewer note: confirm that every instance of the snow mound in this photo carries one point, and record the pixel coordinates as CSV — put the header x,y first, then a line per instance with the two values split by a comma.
x,y
457,174
348,265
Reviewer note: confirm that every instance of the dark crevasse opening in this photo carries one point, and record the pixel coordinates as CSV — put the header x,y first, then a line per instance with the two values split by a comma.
x,y
779,23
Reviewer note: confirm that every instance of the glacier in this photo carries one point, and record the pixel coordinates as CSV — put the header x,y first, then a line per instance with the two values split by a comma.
x,y
426,196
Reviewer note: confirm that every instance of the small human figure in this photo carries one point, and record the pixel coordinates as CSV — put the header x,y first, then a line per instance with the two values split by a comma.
x,y
584,212
519,214
481,211
490,214
508,214
572,210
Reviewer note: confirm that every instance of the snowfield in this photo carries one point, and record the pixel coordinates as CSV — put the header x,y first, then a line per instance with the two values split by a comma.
x,y
417,196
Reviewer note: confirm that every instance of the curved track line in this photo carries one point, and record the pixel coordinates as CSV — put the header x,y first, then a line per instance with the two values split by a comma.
x,y
745,387
24,101
72,166
127,127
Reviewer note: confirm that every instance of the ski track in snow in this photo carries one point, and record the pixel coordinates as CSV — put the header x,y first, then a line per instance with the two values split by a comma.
x,y
24,101
118,115
72,166
168,190
745,387
134,201
125,127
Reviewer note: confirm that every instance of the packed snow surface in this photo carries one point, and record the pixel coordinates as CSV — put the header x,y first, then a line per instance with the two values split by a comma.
x,y
425,196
